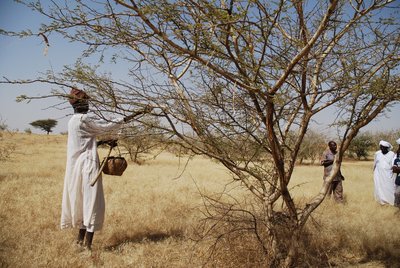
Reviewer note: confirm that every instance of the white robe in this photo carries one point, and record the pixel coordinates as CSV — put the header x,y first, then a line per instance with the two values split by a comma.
x,y
83,205
383,177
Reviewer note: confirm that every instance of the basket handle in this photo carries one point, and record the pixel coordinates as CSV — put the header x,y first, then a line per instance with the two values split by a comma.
x,y
94,180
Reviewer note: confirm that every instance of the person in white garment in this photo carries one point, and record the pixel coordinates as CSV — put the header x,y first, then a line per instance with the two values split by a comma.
x,y
83,205
383,174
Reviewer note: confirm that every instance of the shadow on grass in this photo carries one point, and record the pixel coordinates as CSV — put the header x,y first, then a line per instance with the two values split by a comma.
x,y
143,237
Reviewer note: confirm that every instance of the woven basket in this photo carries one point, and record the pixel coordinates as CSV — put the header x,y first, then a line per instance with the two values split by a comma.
x,y
115,165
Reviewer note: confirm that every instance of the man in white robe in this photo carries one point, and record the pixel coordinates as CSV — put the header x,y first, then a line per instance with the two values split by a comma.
x,y
383,174
83,205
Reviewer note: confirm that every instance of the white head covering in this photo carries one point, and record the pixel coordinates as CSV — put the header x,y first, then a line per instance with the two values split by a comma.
x,y
398,141
385,144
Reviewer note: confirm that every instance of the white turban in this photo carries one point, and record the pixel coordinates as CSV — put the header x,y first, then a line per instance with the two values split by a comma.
x,y
385,144
398,141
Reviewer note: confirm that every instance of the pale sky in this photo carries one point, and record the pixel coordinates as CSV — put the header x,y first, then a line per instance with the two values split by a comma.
x,y
24,58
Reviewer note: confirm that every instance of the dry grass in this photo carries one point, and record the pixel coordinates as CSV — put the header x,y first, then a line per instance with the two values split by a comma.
x,y
152,209
360,232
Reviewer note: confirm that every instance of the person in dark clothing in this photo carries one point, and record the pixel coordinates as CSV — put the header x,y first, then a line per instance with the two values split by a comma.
x,y
327,159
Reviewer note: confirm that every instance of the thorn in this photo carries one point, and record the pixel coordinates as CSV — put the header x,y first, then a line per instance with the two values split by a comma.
x,y
45,39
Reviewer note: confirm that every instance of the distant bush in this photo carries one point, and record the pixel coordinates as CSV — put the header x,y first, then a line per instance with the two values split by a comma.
x,y
3,127
361,145
143,141
311,148
365,144
389,136
28,131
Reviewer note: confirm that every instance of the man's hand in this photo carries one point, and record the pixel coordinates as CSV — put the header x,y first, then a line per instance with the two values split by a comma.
x,y
326,163
396,169
111,143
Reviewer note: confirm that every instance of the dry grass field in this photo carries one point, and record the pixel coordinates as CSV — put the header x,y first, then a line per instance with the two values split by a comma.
x,y
153,209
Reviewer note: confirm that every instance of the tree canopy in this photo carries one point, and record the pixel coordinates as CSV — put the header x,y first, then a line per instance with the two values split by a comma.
x,y
238,78
46,125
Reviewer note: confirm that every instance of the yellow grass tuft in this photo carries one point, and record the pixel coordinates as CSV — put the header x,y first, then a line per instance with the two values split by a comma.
x,y
152,209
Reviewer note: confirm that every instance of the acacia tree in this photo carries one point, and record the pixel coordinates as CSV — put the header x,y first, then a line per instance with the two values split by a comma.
x,y
361,145
46,125
313,144
224,74
144,139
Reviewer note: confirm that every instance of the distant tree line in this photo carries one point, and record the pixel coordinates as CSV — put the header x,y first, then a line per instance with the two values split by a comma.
x,y
144,142
362,146
365,144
